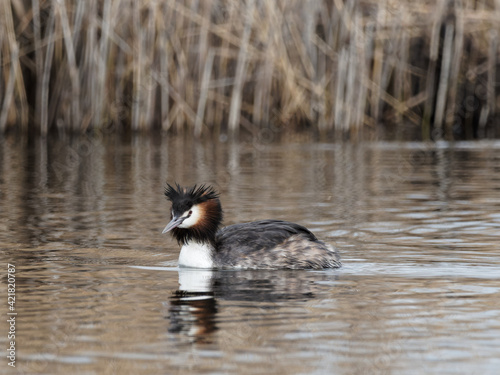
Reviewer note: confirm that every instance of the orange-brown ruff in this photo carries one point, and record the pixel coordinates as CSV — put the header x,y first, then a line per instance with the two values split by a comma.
x,y
196,216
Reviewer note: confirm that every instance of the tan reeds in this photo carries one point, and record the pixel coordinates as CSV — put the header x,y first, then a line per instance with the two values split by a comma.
x,y
218,65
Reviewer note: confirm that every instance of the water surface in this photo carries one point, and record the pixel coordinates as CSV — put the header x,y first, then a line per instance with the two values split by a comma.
x,y
99,292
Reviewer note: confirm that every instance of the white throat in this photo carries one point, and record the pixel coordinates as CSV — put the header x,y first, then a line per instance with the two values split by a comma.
x,y
196,255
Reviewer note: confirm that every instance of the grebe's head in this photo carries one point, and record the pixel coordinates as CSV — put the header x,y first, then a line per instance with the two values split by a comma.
x,y
196,213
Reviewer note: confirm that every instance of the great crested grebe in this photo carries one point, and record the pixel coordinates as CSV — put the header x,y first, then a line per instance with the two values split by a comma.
x,y
267,244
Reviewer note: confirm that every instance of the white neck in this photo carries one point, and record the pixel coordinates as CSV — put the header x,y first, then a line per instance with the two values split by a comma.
x,y
196,255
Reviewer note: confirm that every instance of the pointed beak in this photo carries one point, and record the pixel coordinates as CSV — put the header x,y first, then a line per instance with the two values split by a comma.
x,y
174,223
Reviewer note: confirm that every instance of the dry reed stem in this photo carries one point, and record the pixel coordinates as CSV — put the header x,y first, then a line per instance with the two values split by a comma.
x,y
454,75
443,81
14,85
44,90
241,62
60,6
10,87
203,94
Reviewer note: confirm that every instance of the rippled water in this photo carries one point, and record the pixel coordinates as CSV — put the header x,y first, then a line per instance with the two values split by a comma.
x,y
98,290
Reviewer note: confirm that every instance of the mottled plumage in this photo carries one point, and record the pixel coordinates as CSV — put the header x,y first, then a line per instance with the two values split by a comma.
x,y
266,244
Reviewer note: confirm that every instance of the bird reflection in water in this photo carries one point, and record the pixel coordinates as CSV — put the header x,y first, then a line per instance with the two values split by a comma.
x,y
194,306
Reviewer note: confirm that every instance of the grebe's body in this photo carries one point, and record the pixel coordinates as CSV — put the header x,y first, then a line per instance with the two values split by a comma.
x,y
267,244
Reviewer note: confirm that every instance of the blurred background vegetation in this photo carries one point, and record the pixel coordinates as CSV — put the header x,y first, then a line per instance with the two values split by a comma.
x,y
419,69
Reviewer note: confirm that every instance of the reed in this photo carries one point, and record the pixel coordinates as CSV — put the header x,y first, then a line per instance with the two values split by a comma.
x,y
217,66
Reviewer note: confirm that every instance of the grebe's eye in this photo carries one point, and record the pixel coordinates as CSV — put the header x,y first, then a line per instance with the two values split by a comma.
x,y
190,212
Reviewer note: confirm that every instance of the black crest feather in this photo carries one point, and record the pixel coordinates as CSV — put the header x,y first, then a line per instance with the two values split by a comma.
x,y
196,194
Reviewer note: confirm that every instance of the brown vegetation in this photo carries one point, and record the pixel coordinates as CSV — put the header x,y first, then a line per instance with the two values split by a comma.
x,y
217,66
